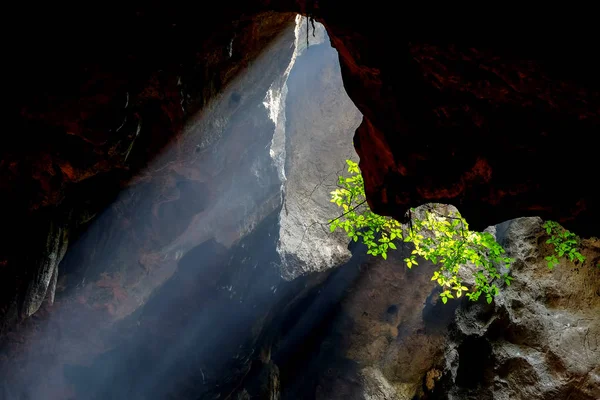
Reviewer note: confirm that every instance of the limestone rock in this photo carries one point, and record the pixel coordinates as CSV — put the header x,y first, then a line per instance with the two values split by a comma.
x,y
321,120
42,285
377,387
541,338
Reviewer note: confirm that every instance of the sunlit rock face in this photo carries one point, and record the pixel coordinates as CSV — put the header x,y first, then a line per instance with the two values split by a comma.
x,y
320,123
188,150
232,304
492,126
393,339
495,127
541,337
184,261
216,182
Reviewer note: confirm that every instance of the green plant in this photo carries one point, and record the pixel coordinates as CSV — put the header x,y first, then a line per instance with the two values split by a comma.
x,y
443,239
566,244
376,231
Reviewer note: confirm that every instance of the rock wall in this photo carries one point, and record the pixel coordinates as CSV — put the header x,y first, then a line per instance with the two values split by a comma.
x,y
321,120
152,153
215,184
392,339
195,233
541,337
106,102
469,118
92,120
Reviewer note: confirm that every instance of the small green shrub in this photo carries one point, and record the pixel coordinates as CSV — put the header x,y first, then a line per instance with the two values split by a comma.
x,y
566,244
444,240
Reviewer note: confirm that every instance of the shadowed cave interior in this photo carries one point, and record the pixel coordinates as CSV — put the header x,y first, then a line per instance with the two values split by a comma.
x,y
178,244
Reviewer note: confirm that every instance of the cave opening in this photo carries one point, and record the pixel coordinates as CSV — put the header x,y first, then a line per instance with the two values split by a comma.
x,y
168,196
181,276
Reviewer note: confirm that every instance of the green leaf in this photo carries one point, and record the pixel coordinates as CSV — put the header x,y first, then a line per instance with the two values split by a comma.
x,y
435,238
444,300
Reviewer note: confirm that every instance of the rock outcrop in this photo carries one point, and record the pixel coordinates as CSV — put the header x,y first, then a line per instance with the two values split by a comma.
x,y
485,124
320,123
31,277
42,285
216,184
179,279
175,182
541,337
392,339
196,234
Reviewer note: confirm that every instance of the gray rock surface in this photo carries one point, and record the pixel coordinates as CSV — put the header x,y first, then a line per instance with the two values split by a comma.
x,y
42,284
541,338
321,120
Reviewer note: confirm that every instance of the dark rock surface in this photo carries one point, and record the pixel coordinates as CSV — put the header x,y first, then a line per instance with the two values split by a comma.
x,y
493,121
390,338
215,184
162,193
136,124
541,337
478,117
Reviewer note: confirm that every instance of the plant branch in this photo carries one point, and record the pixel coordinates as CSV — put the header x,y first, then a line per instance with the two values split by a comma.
x,y
349,211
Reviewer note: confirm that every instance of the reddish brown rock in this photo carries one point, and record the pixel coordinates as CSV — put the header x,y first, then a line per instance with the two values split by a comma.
x,y
90,123
438,106
497,120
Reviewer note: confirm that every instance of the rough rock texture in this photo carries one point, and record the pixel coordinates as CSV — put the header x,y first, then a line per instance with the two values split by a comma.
x,y
215,178
43,282
471,118
496,121
33,279
196,191
485,120
392,339
377,340
541,337
320,124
